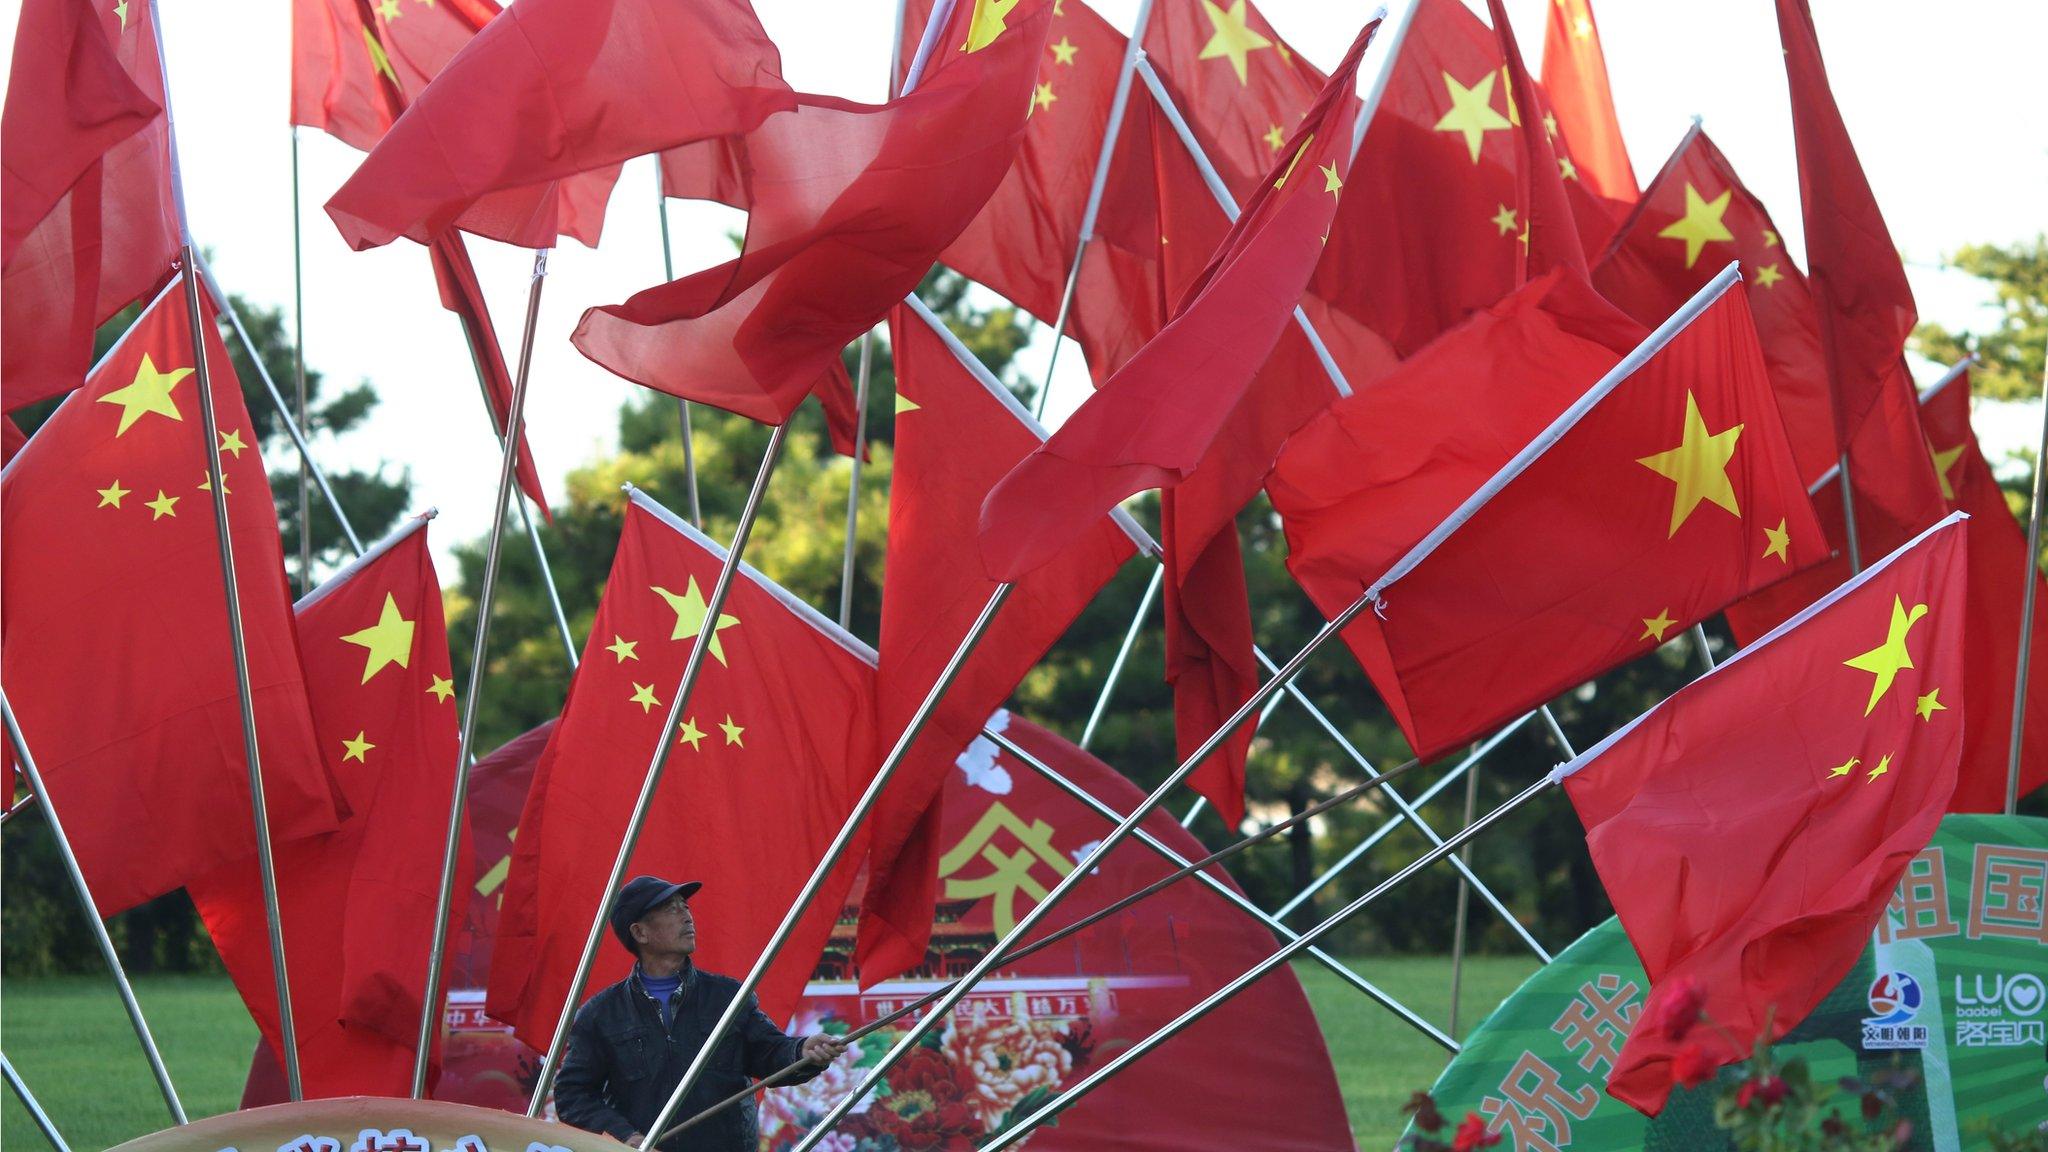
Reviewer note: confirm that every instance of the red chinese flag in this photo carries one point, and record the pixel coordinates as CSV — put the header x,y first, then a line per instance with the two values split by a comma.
x,y
776,744
114,629
1997,562
462,295
1575,79
1554,239
1155,419
1750,828
1241,88
954,440
90,223
851,205
357,903
1670,496
550,90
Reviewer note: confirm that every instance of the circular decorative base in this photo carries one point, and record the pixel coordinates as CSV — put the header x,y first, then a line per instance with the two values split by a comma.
x,y
372,1124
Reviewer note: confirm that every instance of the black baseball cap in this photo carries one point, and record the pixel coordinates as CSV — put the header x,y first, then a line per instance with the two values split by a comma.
x,y
641,895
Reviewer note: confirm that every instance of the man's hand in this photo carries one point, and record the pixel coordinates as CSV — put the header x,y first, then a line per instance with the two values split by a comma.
x,y
821,1049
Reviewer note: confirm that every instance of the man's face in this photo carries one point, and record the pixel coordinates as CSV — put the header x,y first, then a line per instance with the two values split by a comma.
x,y
668,930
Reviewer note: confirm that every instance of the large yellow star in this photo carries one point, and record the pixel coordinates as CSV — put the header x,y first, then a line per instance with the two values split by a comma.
x,y
1943,461
1232,39
354,749
150,392
689,608
1063,52
1654,627
441,689
991,19
389,640
1701,223
1929,704
163,505
1472,112
732,731
623,649
690,733
643,695
111,495
1699,466
1780,542
1885,660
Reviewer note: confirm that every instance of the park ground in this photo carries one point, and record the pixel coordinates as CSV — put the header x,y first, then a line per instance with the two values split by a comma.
x,y
70,1041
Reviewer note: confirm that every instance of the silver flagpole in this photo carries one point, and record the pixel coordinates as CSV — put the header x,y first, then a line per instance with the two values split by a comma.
x,y
1464,856
2019,686
1011,1135
860,440
1849,515
99,928
668,268
685,686
1371,105
35,1110
210,428
1119,102
299,378
1699,640
1406,809
1229,893
1123,653
508,455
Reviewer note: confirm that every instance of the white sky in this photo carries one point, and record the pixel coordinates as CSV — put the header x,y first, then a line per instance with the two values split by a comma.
x,y
1943,101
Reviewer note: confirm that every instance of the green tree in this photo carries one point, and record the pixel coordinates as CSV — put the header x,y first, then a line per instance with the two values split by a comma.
x,y
2015,349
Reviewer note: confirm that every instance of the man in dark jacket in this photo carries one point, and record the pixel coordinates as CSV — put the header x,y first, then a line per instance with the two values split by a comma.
x,y
633,1041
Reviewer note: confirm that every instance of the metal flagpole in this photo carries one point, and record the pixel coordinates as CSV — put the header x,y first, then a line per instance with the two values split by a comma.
x,y
1123,653
2019,687
508,455
668,268
1119,101
210,428
299,378
35,1110
99,928
1849,515
1464,856
1406,809
860,440
1699,640
1370,107
1018,1130
685,686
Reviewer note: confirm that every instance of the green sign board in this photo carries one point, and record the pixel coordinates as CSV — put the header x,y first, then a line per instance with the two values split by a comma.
x,y
1954,986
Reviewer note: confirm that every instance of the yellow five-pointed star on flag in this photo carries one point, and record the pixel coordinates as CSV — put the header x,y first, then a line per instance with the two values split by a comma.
x,y
1331,182
1654,627
1884,765
1929,704
231,443
1472,112
163,505
732,731
991,19
1780,542
441,689
1042,97
1275,137
1943,461
623,649
1699,466
643,695
1767,275
150,392
689,609
690,733
389,640
1846,767
1233,38
379,62
111,494
354,749
1885,660
1505,220
1063,52
1701,223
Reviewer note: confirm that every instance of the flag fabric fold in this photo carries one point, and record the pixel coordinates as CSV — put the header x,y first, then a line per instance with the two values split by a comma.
x,y
110,547
1751,828
461,294
357,903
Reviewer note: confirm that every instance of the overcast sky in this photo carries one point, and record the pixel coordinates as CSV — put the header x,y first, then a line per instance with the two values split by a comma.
x,y
1944,103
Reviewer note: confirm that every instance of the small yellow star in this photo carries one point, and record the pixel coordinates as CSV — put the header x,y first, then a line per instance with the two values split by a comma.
x,y
388,641
163,505
1063,52
150,392
1770,238
1929,704
206,483
111,495
1845,768
1233,39
1884,765
442,688
1524,238
379,62
1654,627
388,9
1550,123
906,404
1566,168
1472,112
643,695
1331,182
1275,137
1780,542
121,10
622,649
356,747
1943,461
1505,220
1042,96
732,731
690,733
1701,222
231,443
1767,275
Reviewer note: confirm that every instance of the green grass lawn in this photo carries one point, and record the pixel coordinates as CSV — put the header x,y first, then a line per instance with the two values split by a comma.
x,y
70,1041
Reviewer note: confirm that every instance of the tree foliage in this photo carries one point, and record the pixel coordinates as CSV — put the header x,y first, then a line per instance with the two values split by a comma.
x,y
2014,351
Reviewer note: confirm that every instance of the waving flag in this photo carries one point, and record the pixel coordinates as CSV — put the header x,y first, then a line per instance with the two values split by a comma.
x,y
1751,828
1240,86
1575,78
777,742
357,904
110,548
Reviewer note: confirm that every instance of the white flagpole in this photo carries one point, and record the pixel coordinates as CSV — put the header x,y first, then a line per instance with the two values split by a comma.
x,y
299,376
2019,687
35,1110
668,269
1123,653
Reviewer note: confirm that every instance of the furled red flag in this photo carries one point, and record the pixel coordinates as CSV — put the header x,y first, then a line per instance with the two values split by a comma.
x,y
1155,419
1662,500
462,295
955,437
114,628
1751,828
1997,559
851,205
1693,218
90,224
1241,88
357,903
1865,307
1575,79
553,89
1553,233
777,742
